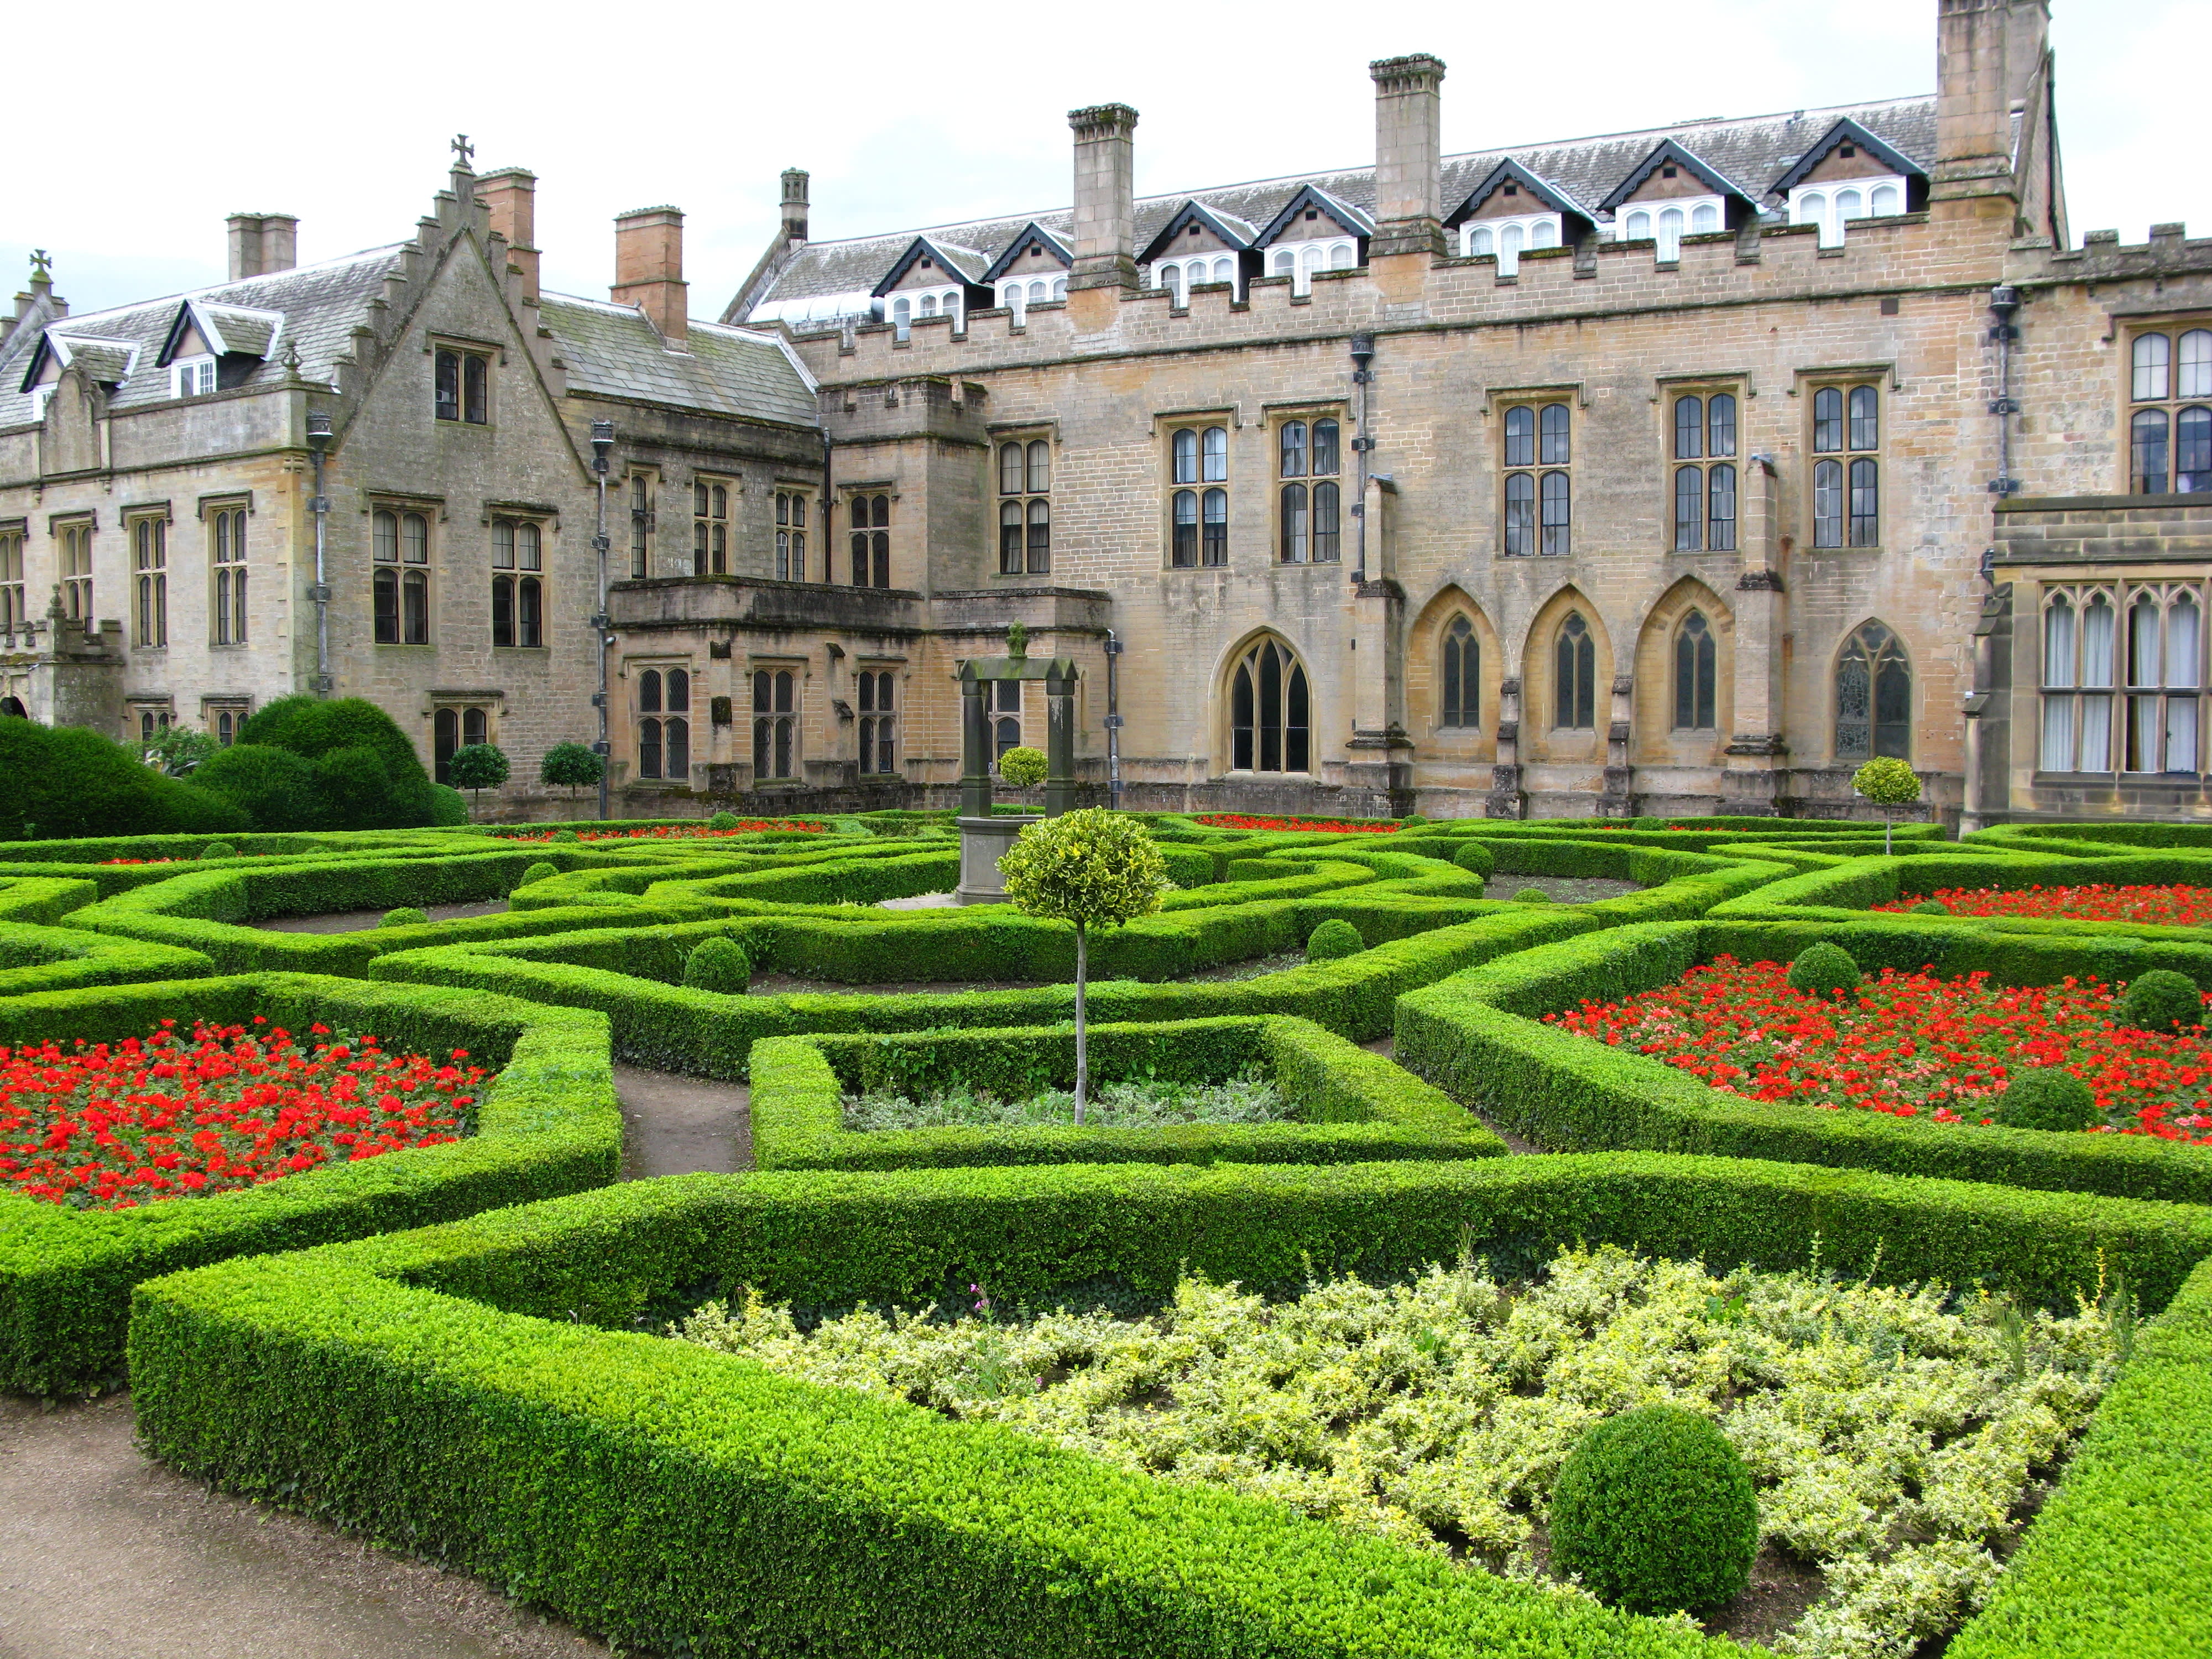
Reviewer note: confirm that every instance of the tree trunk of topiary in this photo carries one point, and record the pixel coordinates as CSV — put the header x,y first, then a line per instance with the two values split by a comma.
x,y
1888,824
1082,1054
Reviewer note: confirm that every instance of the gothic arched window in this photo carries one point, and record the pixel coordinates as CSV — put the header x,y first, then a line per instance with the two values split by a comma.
x,y
1270,711
1574,702
1460,672
1695,665
1874,697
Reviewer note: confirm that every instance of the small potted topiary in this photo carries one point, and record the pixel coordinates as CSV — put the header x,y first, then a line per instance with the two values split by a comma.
x,y
1332,938
2047,1097
405,915
572,766
477,766
1824,970
2160,1001
719,964
1655,1510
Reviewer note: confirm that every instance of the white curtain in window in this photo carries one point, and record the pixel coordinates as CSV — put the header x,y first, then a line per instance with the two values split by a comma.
x,y
1545,234
1508,250
2195,376
2180,735
2058,644
2181,642
1340,256
2142,641
2096,734
2143,734
1886,201
1670,234
2058,733
1704,218
2097,626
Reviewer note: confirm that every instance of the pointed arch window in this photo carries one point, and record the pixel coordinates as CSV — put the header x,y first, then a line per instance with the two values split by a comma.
x,y
1874,697
1574,676
1696,674
1459,672
1270,711
1539,514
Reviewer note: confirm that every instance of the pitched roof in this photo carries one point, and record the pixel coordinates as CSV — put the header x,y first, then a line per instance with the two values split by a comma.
x,y
1509,170
1753,148
1670,152
965,263
1237,232
612,351
1355,219
1031,232
1845,132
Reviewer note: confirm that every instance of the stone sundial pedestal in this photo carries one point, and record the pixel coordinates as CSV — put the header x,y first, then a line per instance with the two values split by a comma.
x,y
984,836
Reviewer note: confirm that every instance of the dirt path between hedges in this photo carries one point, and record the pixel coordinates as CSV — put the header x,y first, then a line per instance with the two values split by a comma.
x,y
105,1554
354,921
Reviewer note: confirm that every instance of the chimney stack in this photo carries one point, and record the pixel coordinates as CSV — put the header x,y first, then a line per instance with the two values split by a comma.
x,y
510,199
649,269
795,204
263,242
1408,156
1105,230
1987,53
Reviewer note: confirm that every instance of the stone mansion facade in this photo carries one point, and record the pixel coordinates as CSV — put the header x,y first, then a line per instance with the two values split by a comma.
x,y
1666,472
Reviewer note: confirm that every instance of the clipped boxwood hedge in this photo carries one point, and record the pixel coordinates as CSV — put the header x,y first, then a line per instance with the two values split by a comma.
x,y
1478,1036
449,1389
1352,1105
550,1124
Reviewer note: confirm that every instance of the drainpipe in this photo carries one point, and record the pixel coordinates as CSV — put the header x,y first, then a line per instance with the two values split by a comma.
x,y
2004,301
1362,354
1113,648
319,443
602,440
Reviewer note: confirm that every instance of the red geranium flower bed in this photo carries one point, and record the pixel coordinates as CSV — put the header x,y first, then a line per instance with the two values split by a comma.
x,y
1910,1044
671,831
1332,826
97,1125
2169,906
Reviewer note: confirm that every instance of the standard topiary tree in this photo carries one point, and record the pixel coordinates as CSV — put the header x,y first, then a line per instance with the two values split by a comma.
x,y
218,849
1334,937
1095,868
1473,856
1023,767
1824,970
538,871
2160,1001
1655,1511
723,821
477,766
1889,783
404,915
572,766
2047,1097
719,964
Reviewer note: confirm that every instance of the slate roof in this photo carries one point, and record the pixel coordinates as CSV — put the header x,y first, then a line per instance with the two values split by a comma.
x,y
1753,151
612,351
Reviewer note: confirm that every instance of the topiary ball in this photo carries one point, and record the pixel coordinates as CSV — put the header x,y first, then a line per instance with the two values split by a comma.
x,y
1824,970
1332,938
1931,908
2160,1001
1473,856
538,871
218,849
1532,895
719,964
566,836
1655,1510
723,821
2047,1097
405,916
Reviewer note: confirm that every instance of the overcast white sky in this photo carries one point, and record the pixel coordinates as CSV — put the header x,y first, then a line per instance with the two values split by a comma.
x,y
910,115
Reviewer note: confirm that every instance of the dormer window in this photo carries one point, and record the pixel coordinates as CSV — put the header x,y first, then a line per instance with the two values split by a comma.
x,y
191,377
1668,223
1017,295
1666,173
1506,238
1833,203
1179,276
1299,260
905,308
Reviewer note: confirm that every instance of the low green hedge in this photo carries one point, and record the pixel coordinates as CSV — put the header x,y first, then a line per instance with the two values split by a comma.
x,y
58,958
448,1389
1478,1035
1352,1105
550,1124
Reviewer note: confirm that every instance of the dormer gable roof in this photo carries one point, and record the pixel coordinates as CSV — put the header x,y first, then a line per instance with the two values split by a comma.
x,y
1032,234
1669,152
1846,131
228,330
1352,221
960,264
1235,233
1551,198
105,363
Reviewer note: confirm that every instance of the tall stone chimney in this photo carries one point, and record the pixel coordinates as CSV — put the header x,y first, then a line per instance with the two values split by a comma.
x,y
510,199
649,269
1408,156
795,203
263,242
1105,230
1988,53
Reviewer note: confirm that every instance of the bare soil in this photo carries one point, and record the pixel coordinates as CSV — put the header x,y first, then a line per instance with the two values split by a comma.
x,y
1560,889
354,921
678,1125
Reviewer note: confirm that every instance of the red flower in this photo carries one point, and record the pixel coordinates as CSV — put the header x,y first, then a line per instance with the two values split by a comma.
x,y
1331,826
2173,905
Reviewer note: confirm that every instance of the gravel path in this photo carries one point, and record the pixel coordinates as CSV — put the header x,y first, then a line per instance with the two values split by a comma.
x,y
353,922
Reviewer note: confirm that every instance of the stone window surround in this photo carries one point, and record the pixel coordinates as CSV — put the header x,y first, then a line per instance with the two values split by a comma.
x,y
1736,383
1166,423
1496,401
2126,326
1805,385
1274,417
494,353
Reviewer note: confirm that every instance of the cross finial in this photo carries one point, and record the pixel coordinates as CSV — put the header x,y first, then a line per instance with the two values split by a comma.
x,y
463,151
42,266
